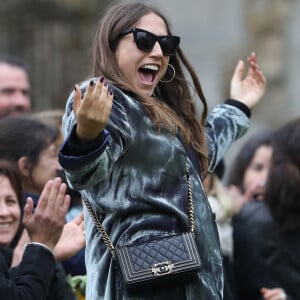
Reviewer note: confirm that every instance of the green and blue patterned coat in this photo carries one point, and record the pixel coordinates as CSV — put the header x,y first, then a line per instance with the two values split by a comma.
x,y
135,180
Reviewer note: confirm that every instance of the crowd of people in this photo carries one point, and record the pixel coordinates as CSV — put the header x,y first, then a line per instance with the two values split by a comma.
x,y
127,141
36,238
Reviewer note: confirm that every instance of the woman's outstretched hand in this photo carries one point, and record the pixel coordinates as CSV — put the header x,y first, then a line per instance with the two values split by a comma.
x,y
250,89
93,110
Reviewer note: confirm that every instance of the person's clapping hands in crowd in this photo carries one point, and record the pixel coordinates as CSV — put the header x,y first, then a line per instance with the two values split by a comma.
x,y
32,277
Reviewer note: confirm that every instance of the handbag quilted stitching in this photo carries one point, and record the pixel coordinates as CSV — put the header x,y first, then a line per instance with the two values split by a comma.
x,y
144,255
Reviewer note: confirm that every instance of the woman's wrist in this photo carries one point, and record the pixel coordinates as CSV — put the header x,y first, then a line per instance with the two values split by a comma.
x,y
240,105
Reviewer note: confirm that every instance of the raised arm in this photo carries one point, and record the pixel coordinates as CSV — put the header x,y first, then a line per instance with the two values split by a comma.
x,y
248,90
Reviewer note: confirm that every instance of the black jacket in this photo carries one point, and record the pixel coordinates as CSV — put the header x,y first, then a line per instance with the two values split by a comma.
x,y
37,276
31,279
264,255
60,289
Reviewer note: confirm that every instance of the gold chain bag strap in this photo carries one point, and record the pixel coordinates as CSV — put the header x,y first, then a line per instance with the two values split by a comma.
x,y
159,261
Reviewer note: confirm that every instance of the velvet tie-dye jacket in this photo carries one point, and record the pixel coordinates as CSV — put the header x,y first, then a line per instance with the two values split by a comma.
x,y
135,180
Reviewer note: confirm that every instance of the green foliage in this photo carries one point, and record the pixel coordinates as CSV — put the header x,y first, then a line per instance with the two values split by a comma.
x,y
78,283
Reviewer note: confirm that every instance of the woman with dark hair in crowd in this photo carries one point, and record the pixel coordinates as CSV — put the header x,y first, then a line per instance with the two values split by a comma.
x,y
30,146
53,118
250,173
33,277
278,237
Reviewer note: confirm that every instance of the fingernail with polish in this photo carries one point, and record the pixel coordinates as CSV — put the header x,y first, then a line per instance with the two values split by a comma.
x,y
91,83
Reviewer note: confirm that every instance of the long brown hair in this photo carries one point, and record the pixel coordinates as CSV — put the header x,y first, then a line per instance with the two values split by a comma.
x,y
282,191
180,111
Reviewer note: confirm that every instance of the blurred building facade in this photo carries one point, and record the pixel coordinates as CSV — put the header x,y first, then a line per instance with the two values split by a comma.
x,y
55,37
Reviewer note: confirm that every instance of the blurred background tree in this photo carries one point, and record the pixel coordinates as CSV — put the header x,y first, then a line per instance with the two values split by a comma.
x,y
54,37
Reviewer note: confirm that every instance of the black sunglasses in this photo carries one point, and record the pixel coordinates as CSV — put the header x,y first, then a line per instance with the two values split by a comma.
x,y
146,40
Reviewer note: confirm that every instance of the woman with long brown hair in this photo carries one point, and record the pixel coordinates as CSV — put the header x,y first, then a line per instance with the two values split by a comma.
x,y
132,129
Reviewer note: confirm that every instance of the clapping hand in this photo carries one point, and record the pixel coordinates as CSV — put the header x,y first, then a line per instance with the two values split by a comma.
x,y
72,239
46,223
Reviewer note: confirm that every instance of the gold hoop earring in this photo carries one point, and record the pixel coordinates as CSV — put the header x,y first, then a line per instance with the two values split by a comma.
x,y
173,74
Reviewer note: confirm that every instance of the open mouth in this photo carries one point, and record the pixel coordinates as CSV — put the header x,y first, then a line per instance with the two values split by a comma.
x,y
258,195
4,225
148,72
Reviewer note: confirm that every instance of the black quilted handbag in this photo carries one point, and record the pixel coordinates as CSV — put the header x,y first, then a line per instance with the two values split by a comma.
x,y
158,261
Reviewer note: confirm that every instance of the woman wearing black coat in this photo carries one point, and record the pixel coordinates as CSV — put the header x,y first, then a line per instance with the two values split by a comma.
x,y
267,231
31,279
